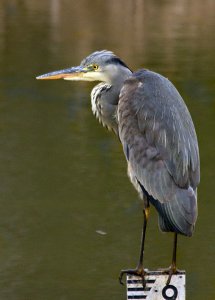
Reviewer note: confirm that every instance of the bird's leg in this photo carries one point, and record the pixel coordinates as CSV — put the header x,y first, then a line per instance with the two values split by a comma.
x,y
172,269
139,271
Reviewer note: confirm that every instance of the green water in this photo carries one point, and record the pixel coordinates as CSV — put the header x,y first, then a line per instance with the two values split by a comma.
x,y
63,177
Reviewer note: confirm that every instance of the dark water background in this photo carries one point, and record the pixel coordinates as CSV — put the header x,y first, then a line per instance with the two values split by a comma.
x,y
63,177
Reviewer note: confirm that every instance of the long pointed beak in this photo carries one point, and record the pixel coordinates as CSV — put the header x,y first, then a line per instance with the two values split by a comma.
x,y
74,73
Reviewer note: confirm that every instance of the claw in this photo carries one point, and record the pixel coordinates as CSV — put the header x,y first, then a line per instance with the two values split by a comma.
x,y
139,271
121,277
170,271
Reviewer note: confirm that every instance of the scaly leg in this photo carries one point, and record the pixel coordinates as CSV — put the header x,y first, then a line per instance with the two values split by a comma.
x,y
139,271
172,269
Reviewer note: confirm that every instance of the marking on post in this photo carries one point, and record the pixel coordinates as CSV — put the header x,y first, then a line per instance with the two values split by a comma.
x,y
156,288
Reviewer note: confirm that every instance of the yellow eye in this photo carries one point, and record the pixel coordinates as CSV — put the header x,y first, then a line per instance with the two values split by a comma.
x,y
95,67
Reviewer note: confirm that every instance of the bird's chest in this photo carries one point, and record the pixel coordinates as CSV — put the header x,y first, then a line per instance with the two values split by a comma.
x,y
103,106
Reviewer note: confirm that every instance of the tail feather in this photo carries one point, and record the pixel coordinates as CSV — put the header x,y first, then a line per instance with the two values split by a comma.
x,y
178,214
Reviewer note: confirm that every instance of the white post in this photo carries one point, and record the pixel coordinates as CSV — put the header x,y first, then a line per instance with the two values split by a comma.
x,y
156,288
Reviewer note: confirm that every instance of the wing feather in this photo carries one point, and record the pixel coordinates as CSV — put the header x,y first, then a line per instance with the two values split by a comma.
x,y
157,131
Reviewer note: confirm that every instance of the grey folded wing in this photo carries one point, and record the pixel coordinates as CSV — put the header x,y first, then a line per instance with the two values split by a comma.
x,y
160,143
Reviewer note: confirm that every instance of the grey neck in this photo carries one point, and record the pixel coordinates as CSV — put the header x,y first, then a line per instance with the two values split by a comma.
x,y
105,98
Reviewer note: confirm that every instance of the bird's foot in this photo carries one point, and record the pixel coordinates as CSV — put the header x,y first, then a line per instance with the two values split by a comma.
x,y
139,271
172,270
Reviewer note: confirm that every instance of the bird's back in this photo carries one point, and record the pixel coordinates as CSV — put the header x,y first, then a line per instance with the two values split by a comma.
x,y
160,144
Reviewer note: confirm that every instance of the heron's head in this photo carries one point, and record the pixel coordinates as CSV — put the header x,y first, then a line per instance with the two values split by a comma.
x,y
99,66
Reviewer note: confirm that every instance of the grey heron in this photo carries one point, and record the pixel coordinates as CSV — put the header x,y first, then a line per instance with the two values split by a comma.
x,y
158,137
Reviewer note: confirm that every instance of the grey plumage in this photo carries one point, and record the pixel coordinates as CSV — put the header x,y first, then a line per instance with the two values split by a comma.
x,y
104,111
156,131
164,161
